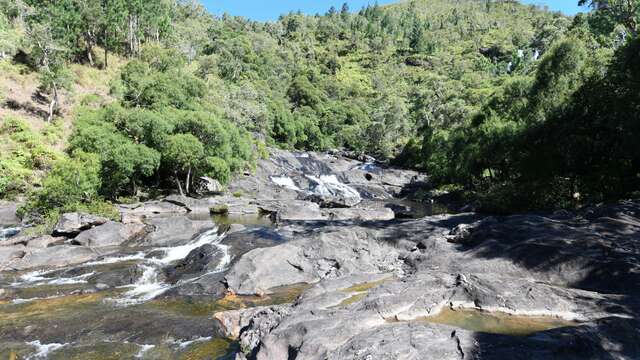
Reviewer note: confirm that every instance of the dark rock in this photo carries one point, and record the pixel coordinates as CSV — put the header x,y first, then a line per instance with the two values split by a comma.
x,y
71,224
582,267
200,260
116,276
208,285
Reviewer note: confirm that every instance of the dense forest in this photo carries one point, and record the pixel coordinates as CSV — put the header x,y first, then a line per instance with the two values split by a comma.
x,y
513,106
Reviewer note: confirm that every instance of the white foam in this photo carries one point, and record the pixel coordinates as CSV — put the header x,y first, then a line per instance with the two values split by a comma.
x,y
22,301
329,185
285,182
115,259
369,166
180,252
43,350
146,288
183,344
36,278
143,349
32,277
150,286
80,279
8,232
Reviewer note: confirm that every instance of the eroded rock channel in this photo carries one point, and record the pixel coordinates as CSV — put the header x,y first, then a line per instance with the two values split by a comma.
x,y
318,256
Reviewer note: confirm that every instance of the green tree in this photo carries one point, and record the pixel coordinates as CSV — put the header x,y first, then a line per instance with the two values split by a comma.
x,y
50,59
625,12
71,181
184,154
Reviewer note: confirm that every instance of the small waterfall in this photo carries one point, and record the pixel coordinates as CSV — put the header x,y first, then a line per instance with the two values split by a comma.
x,y
329,185
143,349
180,252
285,182
9,232
368,166
36,278
150,285
43,350
183,344
146,288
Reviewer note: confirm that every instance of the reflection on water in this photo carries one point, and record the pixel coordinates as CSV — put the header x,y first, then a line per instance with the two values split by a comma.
x,y
257,220
496,322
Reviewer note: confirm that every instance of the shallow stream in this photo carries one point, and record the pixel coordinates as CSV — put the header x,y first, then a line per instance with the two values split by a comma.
x,y
121,306
124,306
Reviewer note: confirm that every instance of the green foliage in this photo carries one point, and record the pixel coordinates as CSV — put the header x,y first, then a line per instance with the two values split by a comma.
x,y
71,181
24,153
183,152
9,37
123,161
218,169
478,93
161,131
157,85
563,137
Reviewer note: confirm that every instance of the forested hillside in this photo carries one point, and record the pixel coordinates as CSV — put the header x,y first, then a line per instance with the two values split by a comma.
x,y
513,105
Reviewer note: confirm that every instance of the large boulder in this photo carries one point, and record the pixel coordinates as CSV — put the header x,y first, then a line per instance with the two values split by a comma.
x,y
207,185
199,261
71,224
312,257
11,254
8,215
175,230
560,269
34,241
336,319
292,210
111,234
23,258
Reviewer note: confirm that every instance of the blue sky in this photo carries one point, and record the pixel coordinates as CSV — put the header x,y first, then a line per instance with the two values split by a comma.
x,y
271,9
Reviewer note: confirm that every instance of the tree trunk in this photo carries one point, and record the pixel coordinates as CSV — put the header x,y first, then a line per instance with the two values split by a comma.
x,y
90,40
106,47
89,51
179,185
188,180
53,104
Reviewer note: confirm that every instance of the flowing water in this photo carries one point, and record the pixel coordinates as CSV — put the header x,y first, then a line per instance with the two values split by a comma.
x,y
114,307
6,233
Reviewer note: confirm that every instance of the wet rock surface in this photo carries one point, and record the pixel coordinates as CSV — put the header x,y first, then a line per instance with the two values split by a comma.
x,y
553,267
336,276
